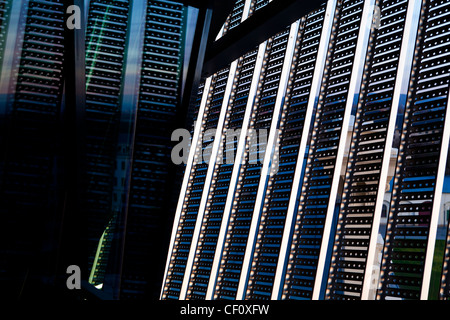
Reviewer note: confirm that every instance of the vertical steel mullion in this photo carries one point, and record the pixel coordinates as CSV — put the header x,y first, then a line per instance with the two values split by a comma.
x,y
221,32
286,74
86,10
352,97
251,7
209,176
399,98
312,102
246,12
236,169
133,60
189,166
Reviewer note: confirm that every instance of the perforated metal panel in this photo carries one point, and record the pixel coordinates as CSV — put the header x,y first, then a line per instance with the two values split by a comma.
x,y
35,106
187,222
235,17
161,61
5,8
258,4
270,230
417,174
242,10
318,181
241,215
161,66
220,184
39,83
369,141
106,45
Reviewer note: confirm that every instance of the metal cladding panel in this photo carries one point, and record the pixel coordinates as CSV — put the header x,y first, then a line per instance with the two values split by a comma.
x,y
40,81
5,11
242,10
235,18
156,114
258,4
270,232
106,44
318,181
366,156
188,219
35,109
241,215
161,61
220,185
413,207
31,107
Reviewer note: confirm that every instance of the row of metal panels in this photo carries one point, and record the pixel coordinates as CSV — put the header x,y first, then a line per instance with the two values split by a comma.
x,y
320,172
247,188
242,9
303,232
221,183
280,185
260,114
197,177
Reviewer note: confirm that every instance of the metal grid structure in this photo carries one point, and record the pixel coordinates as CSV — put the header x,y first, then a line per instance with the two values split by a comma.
x,y
310,230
